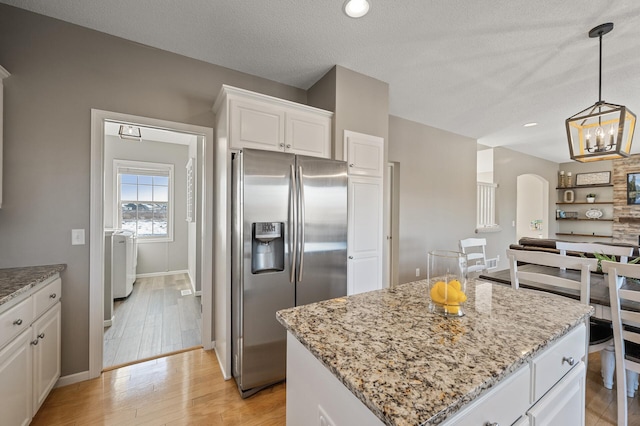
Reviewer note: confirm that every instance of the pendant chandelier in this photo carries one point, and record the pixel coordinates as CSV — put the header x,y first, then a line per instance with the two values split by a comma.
x,y
603,131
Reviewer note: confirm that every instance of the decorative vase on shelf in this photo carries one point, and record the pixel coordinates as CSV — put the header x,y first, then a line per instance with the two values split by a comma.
x,y
591,198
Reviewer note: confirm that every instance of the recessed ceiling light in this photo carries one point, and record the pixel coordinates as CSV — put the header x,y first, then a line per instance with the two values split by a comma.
x,y
530,124
356,8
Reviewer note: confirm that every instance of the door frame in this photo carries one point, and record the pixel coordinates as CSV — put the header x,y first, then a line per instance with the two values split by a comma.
x,y
96,227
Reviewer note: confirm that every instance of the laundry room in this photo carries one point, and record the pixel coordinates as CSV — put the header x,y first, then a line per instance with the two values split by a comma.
x,y
151,295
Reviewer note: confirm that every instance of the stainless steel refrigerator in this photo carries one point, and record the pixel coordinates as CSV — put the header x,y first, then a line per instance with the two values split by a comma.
x,y
289,248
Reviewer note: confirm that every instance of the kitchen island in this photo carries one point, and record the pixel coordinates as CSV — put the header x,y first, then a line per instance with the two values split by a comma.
x,y
382,358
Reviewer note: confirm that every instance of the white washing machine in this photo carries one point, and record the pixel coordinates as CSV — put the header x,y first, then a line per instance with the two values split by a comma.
x,y
124,259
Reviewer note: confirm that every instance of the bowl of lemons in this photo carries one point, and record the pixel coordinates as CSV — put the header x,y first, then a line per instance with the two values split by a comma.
x,y
447,278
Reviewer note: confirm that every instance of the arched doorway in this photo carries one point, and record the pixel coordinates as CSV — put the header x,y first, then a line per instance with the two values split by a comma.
x,y
532,211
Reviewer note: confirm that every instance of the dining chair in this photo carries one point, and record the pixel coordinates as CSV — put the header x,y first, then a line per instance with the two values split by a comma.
x,y
626,332
474,248
582,286
607,356
621,252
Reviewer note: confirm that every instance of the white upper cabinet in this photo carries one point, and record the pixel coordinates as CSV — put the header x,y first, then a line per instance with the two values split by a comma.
x,y
264,122
3,74
256,125
308,134
364,154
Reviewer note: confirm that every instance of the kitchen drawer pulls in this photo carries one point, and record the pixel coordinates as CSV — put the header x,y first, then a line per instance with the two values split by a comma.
x,y
53,296
569,360
491,424
35,341
17,322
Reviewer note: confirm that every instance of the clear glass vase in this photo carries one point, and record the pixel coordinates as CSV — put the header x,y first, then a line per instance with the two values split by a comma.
x,y
447,278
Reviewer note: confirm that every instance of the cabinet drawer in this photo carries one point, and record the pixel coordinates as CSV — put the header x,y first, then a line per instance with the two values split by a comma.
x,y
47,297
553,364
15,320
503,405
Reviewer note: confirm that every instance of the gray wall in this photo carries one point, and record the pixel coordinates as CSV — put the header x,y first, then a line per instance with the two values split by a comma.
x,y
508,165
437,192
153,257
60,71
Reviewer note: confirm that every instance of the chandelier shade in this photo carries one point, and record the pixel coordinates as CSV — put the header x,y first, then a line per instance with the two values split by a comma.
x,y
603,131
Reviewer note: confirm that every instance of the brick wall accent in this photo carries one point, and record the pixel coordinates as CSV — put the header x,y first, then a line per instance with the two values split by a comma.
x,y
626,218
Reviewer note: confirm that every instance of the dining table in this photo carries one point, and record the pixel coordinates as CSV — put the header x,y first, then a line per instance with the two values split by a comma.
x,y
599,289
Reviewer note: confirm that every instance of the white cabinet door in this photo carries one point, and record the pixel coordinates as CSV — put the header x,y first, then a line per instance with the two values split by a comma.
x,y
256,125
308,134
46,355
565,402
16,381
364,235
364,154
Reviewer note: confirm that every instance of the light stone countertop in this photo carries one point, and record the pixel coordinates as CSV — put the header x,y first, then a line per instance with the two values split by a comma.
x,y
16,281
413,367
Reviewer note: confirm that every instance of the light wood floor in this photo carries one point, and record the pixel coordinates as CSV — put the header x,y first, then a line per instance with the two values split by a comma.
x,y
188,388
155,319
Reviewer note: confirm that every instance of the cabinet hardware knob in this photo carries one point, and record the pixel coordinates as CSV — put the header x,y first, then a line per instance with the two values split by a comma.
x,y
281,145
17,322
350,257
569,360
52,296
491,424
41,336
351,165
288,145
34,342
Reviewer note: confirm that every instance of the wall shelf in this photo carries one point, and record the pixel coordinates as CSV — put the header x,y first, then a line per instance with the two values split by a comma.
x,y
600,185
584,235
592,220
578,202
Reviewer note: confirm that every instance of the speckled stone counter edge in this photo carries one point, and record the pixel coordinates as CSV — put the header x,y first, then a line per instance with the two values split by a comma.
x,y
17,281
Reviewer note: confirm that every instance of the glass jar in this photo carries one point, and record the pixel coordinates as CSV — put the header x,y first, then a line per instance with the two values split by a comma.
x,y
447,278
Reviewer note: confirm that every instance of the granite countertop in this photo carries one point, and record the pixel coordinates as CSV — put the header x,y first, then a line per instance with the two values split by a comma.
x,y
16,281
412,367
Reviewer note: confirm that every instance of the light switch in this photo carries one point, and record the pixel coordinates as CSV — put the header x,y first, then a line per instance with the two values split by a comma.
x,y
77,237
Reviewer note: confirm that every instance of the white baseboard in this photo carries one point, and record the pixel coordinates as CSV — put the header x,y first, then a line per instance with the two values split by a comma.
x,y
72,378
161,274
109,322
225,375
197,293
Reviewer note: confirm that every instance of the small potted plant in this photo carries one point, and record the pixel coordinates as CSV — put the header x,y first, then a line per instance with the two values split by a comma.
x,y
591,198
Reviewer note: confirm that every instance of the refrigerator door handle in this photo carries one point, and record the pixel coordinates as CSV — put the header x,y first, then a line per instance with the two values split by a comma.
x,y
293,231
301,222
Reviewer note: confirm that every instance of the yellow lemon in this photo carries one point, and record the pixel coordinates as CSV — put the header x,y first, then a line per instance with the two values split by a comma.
x,y
435,296
452,295
452,309
456,284
462,297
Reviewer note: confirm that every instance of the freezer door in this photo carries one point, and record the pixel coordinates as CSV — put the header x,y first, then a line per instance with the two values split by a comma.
x,y
322,262
266,198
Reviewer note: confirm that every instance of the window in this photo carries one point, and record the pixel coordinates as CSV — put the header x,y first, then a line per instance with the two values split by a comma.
x,y
145,199
486,208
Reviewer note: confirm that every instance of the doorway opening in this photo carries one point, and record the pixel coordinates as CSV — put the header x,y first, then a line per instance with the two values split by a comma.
x,y
532,207
151,283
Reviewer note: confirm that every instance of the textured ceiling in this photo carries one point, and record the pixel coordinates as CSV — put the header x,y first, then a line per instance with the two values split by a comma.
x,y
480,68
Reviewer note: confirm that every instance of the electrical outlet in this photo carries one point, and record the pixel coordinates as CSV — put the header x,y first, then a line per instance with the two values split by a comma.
x,y
497,258
417,272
